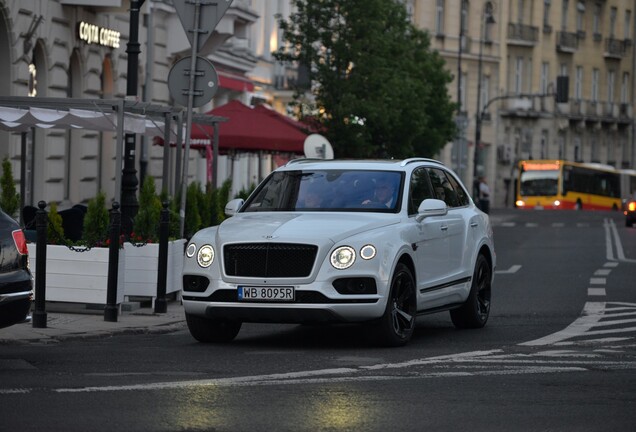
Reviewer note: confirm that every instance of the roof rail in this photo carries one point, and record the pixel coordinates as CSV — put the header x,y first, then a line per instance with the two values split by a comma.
x,y
301,160
412,160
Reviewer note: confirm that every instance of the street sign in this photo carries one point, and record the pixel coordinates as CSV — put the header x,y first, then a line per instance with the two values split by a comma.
x,y
210,13
206,81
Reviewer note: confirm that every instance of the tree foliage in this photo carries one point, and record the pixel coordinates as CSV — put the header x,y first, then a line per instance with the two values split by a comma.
x,y
379,89
96,221
146,224
9,198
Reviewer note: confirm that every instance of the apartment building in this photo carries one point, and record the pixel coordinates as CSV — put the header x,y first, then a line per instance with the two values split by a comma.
x,y
518,49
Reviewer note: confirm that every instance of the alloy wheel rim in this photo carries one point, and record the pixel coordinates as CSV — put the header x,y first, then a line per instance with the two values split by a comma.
x,y
402,315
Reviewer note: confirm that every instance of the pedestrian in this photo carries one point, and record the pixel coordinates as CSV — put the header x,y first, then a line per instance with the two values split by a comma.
x,y
484,195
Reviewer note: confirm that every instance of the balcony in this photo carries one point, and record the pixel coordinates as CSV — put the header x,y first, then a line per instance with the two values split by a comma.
x,y
614,48
567,42
522,34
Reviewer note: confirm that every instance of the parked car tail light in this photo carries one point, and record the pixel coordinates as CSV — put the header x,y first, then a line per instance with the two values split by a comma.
x,y
631,206
20,242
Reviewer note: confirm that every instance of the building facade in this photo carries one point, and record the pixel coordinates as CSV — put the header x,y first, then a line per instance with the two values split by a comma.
x,y
518,49
78,49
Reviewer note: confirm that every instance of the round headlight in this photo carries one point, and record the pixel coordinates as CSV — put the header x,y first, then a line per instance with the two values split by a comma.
x,y
192,248
205,257
343,257
367,252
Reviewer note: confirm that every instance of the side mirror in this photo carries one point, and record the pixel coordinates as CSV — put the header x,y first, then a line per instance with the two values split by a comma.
x,y
233,206
431,207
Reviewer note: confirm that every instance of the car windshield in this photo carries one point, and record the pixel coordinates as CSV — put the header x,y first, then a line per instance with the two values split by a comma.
x,y
539,183
328,190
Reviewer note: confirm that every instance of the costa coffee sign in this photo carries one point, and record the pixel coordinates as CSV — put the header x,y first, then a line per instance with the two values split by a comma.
x,y
92,34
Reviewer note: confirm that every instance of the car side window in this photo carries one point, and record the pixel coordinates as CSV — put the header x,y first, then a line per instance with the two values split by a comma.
x,y
443,188
462,196
419,190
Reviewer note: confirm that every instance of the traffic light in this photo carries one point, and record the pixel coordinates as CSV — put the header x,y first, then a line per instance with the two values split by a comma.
x,y
562,89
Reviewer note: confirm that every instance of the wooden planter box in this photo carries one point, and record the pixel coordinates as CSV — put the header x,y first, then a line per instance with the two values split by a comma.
x,y
78,277
140,279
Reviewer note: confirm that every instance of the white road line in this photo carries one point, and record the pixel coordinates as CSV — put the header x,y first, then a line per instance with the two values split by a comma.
x,y
592,313
596,291
531,225
508,224
598,281
513,269
611,264
602,272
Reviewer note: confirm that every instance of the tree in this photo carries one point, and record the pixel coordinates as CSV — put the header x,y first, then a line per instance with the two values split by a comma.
x,y
96,221
9,199
146,224
380,89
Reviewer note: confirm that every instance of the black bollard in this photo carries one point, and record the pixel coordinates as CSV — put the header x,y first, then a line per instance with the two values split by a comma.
x,y
111,310
41,226
161,305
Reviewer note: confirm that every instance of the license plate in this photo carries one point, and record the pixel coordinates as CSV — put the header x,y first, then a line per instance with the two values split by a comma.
x,y
246,293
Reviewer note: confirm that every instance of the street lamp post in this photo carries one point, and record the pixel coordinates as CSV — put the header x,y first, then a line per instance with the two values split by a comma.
x,y
129,204
486,19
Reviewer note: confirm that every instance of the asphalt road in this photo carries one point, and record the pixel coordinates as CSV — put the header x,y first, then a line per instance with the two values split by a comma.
x,y
558,353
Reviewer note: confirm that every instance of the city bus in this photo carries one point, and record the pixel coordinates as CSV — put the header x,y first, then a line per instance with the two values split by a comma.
x,y
559,184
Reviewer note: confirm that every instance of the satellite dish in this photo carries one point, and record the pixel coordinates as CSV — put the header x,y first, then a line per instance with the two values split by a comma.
x,y
317,147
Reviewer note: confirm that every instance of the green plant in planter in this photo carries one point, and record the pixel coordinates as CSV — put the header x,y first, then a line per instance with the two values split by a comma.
x,y
192,216
9,199
54,230
96,221
146,224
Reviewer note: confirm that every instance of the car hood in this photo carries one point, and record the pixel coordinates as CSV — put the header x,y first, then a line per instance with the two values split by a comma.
x,y
299,227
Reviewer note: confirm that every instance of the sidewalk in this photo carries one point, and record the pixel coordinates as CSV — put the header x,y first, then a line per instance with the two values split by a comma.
x,y
64,325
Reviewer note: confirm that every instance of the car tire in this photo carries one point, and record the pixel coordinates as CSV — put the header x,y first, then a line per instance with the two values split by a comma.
x,y
396,326
210,330
628,223
476,309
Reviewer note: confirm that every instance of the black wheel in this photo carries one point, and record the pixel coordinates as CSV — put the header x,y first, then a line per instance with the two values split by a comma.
x,y
210,330
476,309
629,222
395,328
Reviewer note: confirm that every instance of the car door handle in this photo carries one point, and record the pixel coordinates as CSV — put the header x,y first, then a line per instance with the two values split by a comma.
x,y
474,224
444,227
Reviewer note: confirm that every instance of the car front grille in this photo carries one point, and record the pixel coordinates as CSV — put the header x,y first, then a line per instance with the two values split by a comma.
x,y
273,260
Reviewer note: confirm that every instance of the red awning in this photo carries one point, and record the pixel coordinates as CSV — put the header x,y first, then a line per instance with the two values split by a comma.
x,y
235,83
250,129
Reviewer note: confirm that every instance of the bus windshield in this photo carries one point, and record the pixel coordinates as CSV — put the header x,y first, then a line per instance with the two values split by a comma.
x,y
539,183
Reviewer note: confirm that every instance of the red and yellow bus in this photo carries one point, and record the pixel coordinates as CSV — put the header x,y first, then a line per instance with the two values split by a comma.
x,y
559,184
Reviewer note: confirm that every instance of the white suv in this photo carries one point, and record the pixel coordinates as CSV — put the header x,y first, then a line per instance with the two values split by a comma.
x,y
375,242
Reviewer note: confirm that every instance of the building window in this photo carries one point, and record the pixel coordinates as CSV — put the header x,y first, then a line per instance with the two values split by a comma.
x,y
580,17
611,77
520,7
564,15
612,22
464,20
462,91
596,19
627,33
595,77
439,17
625,87
518,75
578,83
546,13
564,70
545,77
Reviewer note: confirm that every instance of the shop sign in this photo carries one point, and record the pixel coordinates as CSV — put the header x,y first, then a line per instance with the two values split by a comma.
x,y
92,34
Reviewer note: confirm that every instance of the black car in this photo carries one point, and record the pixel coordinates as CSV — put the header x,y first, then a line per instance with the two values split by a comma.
x,y
16,282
